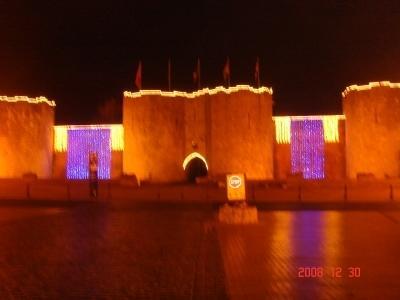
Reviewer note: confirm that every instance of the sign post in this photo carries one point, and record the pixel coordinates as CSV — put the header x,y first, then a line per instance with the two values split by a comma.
x,y
235,187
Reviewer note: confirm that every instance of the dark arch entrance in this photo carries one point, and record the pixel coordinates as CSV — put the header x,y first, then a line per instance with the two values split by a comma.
x,y
195,168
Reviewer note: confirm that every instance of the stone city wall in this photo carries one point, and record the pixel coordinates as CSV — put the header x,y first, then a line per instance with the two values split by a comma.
x,y
231,128
26,137
372,130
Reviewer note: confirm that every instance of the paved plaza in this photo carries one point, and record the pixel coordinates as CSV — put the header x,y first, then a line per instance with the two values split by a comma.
x,y
161,251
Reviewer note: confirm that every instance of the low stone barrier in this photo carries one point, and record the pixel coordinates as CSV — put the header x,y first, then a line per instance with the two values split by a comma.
x,y
300,192
368,192
395,192
329,192
42,190
276,194
133,193
14,189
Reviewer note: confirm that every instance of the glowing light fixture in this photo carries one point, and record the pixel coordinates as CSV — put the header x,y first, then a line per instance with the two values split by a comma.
x,y
282,130
117,137
191,156
60,138
61,135
369,86
331,129
36,100
205,91
330,125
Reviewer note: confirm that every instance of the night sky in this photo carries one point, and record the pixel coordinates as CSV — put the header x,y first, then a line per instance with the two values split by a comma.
x,y
84,54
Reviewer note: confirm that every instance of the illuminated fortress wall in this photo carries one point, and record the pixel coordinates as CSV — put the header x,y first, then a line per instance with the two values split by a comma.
x,y
230,128
154,128
313,146
335,155
372,129
241,134
197,127
26,136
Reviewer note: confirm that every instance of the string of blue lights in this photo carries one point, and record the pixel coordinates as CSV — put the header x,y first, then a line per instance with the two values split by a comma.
x,y
307,148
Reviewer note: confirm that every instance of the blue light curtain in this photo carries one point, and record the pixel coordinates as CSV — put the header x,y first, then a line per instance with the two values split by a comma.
x,y
80,143
307,148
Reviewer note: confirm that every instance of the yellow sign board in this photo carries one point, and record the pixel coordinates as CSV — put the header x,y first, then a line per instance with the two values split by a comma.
x,y
235,187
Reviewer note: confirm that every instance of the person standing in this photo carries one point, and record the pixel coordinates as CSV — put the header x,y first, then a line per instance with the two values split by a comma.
x,y
93,175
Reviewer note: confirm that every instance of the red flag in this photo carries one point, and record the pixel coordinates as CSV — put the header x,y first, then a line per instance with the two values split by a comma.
x,y
227,72
138,79
257,72
195,77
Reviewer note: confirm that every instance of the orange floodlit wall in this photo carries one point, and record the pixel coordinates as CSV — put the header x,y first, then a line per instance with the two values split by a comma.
x,y
335,153
231,128
372,129
241,134
26,136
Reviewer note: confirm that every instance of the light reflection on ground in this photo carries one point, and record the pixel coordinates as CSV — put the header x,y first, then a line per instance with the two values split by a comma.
x,y
23,213
175,252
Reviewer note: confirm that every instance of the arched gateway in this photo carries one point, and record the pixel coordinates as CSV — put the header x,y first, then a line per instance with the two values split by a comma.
x,y
195,165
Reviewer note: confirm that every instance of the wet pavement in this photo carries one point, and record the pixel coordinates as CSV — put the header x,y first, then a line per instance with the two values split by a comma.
x,y
98,251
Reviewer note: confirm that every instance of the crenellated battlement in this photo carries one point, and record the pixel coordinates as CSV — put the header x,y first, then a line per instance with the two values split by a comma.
x,y
371,85
202,92
36,100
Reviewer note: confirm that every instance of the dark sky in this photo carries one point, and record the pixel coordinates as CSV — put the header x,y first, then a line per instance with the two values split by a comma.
x,y
84,53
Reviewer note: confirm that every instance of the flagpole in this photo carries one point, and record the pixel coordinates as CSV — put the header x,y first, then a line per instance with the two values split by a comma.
x,y
198,74
169,74
258,71
229,72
